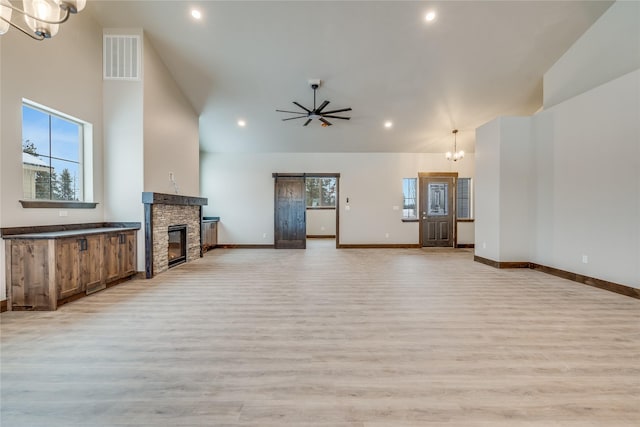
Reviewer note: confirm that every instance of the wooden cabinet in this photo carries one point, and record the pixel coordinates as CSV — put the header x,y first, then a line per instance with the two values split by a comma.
x,y
44,272
30,273
128,245
67,272
112,257
120,255
92,277
209,233
79,265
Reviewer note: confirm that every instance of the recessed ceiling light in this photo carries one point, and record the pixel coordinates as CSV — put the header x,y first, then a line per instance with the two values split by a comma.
x,y
242,123
388,124
196,14
430,16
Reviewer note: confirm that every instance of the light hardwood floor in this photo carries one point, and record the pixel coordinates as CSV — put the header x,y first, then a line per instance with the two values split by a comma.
x,y
326,337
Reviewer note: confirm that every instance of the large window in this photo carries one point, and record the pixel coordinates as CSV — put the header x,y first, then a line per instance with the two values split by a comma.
x,y
463,202
321,192
410,201
52,155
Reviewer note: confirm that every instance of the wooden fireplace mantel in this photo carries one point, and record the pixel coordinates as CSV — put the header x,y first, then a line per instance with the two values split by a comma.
x,y
150,198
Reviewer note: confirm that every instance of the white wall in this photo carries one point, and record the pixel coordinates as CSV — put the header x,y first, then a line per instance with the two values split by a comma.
x,y
587,148
124,149
588,189
151,130
171,141
63,73
38,71
321,222
123,155
569,185
516,186
607,50
240,190
504,185
580,166
487,194
466,233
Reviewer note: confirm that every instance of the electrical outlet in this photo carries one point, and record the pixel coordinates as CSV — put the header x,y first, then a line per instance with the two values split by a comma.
x,y
63,213
386,235
264,235
585,259
484,245
322,228
396,208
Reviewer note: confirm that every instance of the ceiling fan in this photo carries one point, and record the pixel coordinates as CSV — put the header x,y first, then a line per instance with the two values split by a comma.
x,y
316,112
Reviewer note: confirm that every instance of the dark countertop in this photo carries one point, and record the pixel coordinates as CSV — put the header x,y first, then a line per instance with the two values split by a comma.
x,y
210,218
68,233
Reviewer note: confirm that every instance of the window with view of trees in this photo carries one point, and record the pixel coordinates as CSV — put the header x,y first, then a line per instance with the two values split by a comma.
x,y
410,193
51,155
321,192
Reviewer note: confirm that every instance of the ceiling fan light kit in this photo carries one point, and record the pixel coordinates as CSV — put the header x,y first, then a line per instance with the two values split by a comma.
x,y
315,113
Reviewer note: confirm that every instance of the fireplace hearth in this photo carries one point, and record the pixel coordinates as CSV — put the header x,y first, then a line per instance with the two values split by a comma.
x,y
177,247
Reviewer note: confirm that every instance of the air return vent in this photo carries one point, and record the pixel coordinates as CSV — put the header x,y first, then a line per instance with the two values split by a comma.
x,y
121,57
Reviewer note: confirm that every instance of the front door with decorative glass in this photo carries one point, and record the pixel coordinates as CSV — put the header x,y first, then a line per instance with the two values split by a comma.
x,y
437,209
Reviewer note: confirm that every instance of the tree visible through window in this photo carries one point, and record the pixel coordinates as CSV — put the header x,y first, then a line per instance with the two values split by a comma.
x,y
321,192
51,155
410,194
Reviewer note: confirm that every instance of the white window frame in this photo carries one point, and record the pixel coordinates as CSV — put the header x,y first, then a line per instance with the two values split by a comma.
x,y
405,215
306,188
85,160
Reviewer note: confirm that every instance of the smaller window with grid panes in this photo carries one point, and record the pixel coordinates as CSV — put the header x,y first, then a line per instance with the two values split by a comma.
x,y
321,193
410,198
464,192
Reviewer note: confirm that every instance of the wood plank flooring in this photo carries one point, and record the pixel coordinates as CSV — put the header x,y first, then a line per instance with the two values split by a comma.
x,y
326,337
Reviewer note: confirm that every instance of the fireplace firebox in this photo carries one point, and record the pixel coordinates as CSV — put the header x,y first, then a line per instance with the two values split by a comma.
x,y
177,251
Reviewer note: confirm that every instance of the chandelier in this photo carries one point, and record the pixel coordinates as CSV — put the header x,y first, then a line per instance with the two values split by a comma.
x,y
456,155
43,17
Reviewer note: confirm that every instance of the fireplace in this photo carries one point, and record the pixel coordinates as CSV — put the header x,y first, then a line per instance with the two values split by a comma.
x,y
177,247
161,213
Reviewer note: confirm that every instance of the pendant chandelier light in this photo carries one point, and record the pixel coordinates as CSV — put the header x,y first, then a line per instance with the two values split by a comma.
x,y
456,155
43,17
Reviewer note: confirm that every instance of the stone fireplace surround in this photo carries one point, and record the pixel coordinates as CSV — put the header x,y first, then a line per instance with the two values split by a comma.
x,y
161,211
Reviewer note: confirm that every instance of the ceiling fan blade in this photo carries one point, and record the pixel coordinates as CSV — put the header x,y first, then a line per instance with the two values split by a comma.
x,y
324,104
325,122
307,122
337,111
336,117
293,118
304,108
292,112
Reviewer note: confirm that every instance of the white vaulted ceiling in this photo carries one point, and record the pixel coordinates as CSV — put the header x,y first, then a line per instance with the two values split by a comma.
x,y
243,60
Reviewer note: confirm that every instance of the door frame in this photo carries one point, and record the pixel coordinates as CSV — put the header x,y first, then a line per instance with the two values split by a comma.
x,y
306,175
337,177
453,175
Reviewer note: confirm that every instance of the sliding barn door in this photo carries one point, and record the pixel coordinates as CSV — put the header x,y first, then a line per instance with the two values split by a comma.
x,y
290,212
